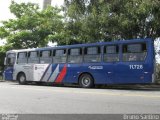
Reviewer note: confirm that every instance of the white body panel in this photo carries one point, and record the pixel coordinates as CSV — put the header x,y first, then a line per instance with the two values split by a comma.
x,y
39,70
33,72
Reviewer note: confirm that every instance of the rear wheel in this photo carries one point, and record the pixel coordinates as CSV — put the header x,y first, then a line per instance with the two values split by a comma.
x,y
22,79
86,81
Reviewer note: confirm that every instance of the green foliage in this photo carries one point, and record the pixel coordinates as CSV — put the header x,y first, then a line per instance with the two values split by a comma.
x,y
32,26
105,20
2,54
82,21
157,77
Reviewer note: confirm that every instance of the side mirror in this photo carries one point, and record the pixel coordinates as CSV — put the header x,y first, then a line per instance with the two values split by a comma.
x,y
5,61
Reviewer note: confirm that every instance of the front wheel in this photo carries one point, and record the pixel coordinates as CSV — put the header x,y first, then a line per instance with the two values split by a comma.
x,y
22,79
86,81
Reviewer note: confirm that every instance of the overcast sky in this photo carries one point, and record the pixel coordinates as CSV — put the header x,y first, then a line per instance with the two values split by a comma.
x,y
4,6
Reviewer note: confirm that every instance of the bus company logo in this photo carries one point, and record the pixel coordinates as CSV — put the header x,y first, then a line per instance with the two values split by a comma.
x,y
95,67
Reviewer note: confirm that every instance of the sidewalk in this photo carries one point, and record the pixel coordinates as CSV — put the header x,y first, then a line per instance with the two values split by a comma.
x,y
2,80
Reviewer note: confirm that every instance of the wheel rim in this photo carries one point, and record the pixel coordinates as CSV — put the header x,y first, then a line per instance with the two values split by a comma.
x,y
86,81
22,78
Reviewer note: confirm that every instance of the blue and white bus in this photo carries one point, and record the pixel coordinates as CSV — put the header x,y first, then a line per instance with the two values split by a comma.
x,y
118,62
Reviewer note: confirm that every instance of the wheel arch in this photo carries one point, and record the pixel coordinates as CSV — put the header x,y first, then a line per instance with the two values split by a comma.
x,y
21,72
86,73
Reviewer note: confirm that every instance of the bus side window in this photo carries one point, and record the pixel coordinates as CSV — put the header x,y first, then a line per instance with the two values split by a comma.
x,y
134,52
92,54
75,55
22,57
111,53
33,57
59,56
45,56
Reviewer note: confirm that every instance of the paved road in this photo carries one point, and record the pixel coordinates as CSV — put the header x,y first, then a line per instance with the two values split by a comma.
x,y
32,99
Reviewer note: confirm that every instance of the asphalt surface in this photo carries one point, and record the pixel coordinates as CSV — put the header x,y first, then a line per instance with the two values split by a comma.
x,y
34,99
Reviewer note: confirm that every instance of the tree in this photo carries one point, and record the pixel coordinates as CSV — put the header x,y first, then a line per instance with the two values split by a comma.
x,y
32,26
105,20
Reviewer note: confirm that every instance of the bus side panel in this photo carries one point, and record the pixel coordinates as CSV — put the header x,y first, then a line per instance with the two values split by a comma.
x,y
73,71
129,72
150,62
97,71
27,69
59,73
136,72
148,73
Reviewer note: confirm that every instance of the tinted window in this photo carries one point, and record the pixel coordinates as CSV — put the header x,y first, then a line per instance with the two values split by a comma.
x,y
45,56
22,57
33,54
59,56
92,50
60,52
33,57
92,54
75,55
111,49
134,52
111,53
74,51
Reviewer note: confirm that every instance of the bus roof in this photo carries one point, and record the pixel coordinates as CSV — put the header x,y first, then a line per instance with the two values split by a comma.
x,y
82,45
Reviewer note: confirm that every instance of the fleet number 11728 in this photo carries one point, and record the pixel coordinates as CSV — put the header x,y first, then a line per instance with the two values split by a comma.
x,y
136,66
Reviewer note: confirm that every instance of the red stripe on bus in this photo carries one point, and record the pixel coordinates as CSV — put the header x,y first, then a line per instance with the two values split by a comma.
x,y
61,75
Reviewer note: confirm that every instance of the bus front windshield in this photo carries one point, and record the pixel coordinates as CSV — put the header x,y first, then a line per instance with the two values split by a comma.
x,y
10,59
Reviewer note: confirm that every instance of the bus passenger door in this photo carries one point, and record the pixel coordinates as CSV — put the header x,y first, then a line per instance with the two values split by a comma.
x,y
10,61
109,72
111,57
8,73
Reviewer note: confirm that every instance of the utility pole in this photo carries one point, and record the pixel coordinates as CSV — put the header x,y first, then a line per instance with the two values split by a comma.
x,y
46,3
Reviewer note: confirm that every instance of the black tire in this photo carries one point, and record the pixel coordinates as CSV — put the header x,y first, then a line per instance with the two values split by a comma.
x,y
86,81
22,79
